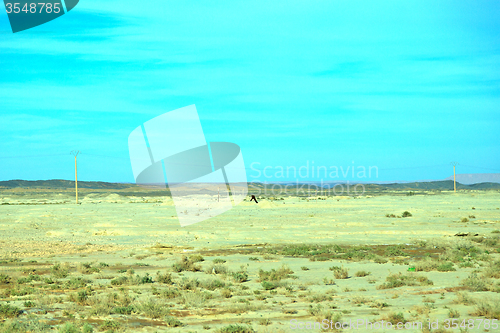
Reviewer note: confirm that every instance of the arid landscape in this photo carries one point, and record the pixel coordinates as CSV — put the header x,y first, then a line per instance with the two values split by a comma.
x,y
119,262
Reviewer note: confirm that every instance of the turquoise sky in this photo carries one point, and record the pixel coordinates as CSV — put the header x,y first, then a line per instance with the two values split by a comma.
x,y
406,86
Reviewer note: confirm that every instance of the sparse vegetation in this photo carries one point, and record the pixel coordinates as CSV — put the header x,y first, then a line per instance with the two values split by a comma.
x,y
187,264
9,311
339,272
395,318
219,261
475,283
453,313
158,286
406,214
399,280
275,275
488,309
395,251
153,308
173,322
236,328
446,267
59,271
362,273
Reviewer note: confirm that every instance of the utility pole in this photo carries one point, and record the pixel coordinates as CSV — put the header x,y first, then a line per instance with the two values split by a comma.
x,y
454,176
75,154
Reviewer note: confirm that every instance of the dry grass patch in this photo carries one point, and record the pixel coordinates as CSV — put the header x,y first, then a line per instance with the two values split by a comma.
x,y
9,311
360,300
395,318
463,298
362,273
187,264
236,328
489,309
493,271
275,275
339,272
153,308
399,280
475,283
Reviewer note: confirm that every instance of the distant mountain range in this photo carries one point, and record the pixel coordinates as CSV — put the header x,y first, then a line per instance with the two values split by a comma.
x,y
62,184
441,185
434,185
418,185
475,178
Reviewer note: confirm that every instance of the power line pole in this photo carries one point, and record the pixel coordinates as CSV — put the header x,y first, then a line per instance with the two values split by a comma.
x,y
454,176
75,153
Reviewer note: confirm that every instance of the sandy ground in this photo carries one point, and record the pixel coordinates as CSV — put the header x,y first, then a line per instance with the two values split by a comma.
x,y
131,221
143,234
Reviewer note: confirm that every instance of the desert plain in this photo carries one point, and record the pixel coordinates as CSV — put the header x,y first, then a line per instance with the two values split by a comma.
x,y
118,261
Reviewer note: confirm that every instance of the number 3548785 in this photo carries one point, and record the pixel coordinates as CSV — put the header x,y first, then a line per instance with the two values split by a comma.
x,y
33,8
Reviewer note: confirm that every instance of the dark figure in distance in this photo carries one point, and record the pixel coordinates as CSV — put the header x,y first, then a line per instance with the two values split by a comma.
x,y
254,199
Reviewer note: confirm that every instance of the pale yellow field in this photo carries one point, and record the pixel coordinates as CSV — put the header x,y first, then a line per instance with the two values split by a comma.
x,y
143,234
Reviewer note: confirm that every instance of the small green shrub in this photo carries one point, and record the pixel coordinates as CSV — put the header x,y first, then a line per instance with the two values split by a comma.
x,y
152,308
212,284
76,283
164,278
29,279
124,310
240,277
426,266
453,314
406,214
29,304
173,322
196,258
340,272
87,328
226,293
236,328
59,271
269,285
395,251
119,281
87,268
170,293
446,267
145,279
275,275
487,308
380,260
110,325
219,261
396,318
399,280
362,273
217,269
68,328
186,264
9,311
265,321
4,279
474,283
